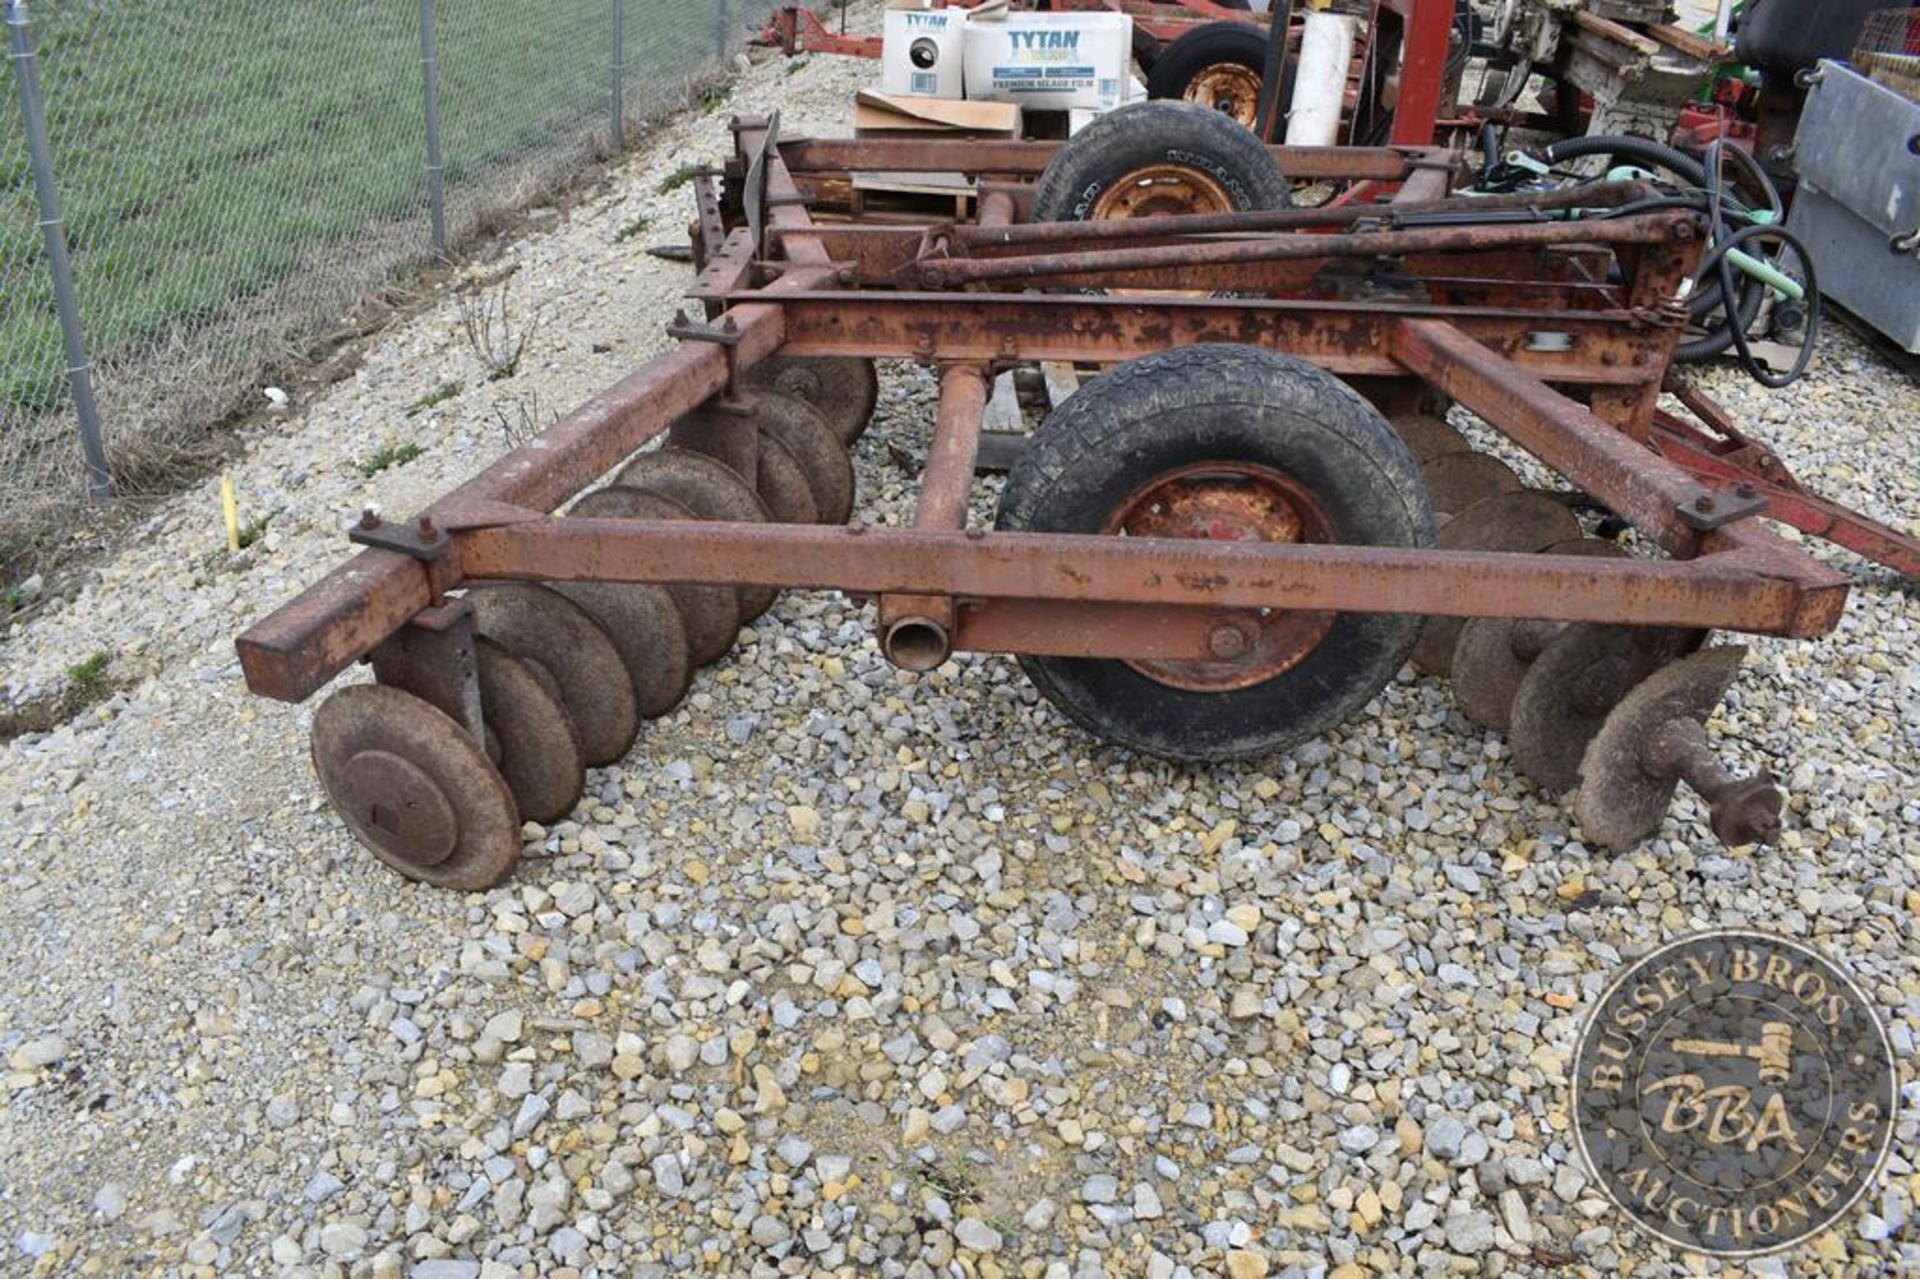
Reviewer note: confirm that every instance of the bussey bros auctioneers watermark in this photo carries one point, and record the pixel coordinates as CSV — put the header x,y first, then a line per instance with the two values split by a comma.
x,y
1734,1092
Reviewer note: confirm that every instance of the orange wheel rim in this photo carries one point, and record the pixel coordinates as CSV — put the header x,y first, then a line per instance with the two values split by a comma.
x,y
1229,88
1162,191
1232,502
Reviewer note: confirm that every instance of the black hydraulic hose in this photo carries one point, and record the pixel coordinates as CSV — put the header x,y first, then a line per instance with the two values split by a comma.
x,y
1715,277
1717,339
1646,151
1651,155
1719,288
1719,262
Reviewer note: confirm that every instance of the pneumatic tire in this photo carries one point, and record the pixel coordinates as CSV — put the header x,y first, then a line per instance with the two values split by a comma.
x,y
1226,168
1236,419
1220,66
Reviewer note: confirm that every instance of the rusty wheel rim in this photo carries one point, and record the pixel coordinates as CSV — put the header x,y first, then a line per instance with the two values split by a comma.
x,y
1237,502
1162,191
1229,88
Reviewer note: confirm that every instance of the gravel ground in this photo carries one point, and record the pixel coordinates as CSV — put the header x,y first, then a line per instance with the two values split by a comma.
x,y
847,970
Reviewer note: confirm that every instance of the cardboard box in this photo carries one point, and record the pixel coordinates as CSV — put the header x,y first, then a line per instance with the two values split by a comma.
x,y
885,115
921,53
1080,117
1048,61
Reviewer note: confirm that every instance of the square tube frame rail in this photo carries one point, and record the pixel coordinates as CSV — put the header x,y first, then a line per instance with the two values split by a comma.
x,y
1083,595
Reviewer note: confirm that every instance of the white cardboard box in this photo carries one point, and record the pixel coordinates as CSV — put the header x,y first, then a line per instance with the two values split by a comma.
x,y
1048,61
921,52
1080,117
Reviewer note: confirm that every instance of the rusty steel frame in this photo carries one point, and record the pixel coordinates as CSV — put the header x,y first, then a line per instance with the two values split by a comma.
x,y
951,586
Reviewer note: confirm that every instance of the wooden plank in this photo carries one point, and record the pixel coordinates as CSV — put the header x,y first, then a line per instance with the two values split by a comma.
x,y
1694,46
1003,407
1614,31
999,450
1062,380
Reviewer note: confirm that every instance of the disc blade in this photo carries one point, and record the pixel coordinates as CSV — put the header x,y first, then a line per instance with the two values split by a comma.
x,y
645,627
415,788
783,485
546,630
843,388
1456,481
709,615
709,489
1620,802
1427,436
1524,521
1577,679
804,432
1490,658
539,755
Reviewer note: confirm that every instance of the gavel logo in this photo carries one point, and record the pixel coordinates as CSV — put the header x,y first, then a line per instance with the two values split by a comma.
x,y
1774,1052
1734,1092
1729,1114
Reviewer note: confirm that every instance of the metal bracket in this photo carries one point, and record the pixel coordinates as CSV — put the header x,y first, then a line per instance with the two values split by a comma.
x,y
728,266
1718,507
725,334
421,540
432,657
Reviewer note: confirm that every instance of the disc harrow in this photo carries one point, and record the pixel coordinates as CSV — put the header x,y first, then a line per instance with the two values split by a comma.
x,y
1228,539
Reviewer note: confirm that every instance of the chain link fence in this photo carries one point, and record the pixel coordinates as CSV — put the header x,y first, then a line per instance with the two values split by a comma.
x,y
234,177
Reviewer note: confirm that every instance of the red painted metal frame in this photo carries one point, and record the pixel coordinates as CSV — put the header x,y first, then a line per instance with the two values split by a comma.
x,y
1140,598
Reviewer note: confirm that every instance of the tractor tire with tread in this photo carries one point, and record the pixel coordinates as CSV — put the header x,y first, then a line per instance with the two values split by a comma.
x,y
1231,404
1150,135
1215,44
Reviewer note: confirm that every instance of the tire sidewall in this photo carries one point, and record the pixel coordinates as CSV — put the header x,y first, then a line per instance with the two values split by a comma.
x,y
1227,404
1148,134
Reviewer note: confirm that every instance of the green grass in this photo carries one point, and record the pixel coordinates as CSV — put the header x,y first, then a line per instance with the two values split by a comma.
x,y
202,146
438,395
88,682
636,227
252,531
679,178
391,455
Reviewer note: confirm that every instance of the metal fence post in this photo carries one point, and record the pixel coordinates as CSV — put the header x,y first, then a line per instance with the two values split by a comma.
x,y
619,76
72,336
430,75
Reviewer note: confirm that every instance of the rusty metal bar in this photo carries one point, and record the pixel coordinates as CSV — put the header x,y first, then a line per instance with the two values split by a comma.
x,y
945,483
1091,628
979,155
948,477
1727,592
296,649
1347,338
1600,195
1540,276
1566,436
1652,228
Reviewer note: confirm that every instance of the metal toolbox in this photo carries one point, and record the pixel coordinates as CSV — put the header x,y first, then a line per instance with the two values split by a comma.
x,y
1858,203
